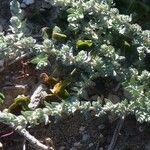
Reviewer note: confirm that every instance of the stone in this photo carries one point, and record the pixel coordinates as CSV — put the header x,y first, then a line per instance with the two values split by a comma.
x,y
77,144
91,144
46,4
23,5
101,136
101,139
62,148
81,129
101,127
28,2
73,148
141,128
85,137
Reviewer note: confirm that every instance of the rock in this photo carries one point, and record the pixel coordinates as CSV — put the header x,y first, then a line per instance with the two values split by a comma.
x,y
81,129
77,144
46,4
62,148
73,148
91,144
106,147
101,139
49,142
23,5
141,128
101,136
101,127
101,148
28,2
85,137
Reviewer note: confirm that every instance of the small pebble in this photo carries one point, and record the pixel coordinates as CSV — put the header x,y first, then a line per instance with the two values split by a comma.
x,y
106,146
28,2
141,129
85,137
77,144
91,144
62,148
101,127
101,136
49,141
73,148
101,148
23,5
81,129
46,4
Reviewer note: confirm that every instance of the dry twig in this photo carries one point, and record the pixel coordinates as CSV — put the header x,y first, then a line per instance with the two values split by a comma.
x,y
37,144
116,133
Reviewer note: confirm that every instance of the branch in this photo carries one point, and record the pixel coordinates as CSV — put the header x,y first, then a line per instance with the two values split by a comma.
x,y
116,133
32,139
18,123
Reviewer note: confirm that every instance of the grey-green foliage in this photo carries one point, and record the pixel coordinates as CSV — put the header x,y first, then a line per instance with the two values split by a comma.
x,y
99,22
12,120
15,43
89,20
139,9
